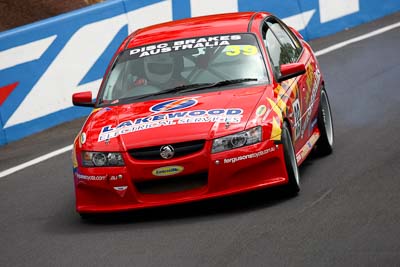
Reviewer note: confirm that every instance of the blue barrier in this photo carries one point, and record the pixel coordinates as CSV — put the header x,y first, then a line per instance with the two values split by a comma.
x,y
2,135
51,59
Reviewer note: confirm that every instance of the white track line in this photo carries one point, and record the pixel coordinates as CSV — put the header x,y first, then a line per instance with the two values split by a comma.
x,y
318,53
35,161
356,39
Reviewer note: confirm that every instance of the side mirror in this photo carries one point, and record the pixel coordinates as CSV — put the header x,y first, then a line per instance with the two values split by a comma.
x,y
83,99
291,70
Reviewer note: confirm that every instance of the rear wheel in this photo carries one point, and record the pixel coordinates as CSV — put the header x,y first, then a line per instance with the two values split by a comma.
x,y
325,126
292,170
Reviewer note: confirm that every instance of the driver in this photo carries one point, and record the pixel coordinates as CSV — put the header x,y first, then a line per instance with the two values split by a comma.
x,y
161,70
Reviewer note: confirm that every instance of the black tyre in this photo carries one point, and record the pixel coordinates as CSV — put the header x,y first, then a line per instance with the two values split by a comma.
x,y
292,170
86,216
325,125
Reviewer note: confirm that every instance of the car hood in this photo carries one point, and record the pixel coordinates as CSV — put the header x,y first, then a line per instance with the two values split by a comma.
x,y
172,120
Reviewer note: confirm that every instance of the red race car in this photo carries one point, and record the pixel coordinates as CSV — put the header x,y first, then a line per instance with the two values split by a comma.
x,y
201,108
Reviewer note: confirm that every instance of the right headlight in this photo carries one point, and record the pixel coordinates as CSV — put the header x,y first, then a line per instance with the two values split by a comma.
x,y
102,159
245,138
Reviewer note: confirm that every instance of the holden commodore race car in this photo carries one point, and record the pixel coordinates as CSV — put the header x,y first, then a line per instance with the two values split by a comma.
x,y
201,108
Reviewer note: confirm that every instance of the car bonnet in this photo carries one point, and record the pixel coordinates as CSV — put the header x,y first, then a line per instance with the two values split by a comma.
x,y
172,120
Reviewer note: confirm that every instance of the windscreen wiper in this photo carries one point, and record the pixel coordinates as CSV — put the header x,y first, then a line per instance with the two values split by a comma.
x,y
201,86
191,87
168,91
218,84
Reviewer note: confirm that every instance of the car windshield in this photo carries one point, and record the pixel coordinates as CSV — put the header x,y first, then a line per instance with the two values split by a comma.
x,y
179,66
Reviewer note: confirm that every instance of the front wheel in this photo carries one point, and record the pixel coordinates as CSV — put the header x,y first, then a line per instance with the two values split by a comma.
x,y
292,170
325,125
87,216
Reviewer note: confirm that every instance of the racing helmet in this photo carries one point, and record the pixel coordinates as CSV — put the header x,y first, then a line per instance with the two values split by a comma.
x,y
159,68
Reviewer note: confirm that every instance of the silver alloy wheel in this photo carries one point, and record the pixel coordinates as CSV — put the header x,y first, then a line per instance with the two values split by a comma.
x,y
326,114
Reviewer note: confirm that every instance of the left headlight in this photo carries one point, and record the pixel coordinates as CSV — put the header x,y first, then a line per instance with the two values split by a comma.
x,y
245,138
102,159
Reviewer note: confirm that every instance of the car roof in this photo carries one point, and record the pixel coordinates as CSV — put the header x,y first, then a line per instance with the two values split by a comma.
x,y
192,27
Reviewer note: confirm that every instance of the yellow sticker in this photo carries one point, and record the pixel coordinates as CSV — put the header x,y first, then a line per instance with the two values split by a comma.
x,y
235,50
249,50
96,109
276,130
232,50
282,105
275,108
304,151
168,170
74,160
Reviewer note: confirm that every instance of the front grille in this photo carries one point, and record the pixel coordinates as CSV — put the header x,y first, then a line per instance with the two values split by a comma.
x,y
171,185
153,153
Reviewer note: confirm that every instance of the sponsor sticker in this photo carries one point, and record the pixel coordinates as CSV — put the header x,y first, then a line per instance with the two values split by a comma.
x,y
83,138
179,45
116,177
261,110
90,177
312,125
173,105
312,100
167,171
297,118
250,156
303,152
167,118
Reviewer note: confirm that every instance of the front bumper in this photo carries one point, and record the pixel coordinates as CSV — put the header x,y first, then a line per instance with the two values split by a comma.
x,y
115,189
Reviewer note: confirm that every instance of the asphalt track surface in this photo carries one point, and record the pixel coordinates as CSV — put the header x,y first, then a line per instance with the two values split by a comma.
x,y
347,213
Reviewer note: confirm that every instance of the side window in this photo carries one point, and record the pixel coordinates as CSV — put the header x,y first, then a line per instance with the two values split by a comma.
x,y
281,47
273,47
